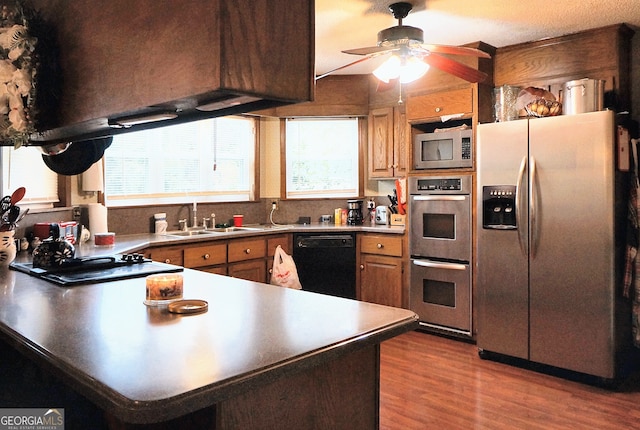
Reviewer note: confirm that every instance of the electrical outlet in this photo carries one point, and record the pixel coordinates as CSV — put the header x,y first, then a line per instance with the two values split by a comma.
x,y
274,205
76,213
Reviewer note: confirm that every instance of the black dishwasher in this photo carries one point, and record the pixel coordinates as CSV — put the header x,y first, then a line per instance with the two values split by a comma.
x,y
326,263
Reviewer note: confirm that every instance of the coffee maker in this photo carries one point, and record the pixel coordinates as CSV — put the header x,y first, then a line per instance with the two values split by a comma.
x,y
354,214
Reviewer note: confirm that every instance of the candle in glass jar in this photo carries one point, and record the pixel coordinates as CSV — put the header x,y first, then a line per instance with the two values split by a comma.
x,y
164,288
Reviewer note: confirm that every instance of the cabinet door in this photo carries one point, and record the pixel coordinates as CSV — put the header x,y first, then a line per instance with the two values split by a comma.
x,y
253,270
436,105
381,280
401,144
380,148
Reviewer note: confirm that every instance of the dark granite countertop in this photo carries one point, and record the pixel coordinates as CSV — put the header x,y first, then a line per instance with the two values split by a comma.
x,y
144,364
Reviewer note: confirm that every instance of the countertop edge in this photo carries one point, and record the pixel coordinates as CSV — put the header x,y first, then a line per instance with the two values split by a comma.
x,y
148,412
163,410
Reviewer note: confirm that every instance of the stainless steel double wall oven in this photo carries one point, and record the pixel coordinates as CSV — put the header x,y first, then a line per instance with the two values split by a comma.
x,y
440,247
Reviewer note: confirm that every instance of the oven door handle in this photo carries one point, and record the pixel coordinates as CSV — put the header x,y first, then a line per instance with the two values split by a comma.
x,y
455,198
440,265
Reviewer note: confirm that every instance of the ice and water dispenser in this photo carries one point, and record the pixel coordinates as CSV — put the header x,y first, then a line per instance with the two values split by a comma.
x,y
499,207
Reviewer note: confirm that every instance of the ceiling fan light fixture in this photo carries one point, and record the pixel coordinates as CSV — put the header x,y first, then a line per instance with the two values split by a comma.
x,y
406,69
413,69
388,70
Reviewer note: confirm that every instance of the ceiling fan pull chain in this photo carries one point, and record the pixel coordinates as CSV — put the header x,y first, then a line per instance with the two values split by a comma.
x,y
400,93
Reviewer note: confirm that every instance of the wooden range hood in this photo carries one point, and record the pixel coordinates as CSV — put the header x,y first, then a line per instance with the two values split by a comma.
x,y
153,64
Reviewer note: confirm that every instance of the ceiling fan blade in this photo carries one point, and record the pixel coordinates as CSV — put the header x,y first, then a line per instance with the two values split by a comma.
x,y
455,68
455,50
359,60
371,50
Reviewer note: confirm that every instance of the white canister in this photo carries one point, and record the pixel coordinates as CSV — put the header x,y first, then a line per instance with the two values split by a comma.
x,y
582,95
160,223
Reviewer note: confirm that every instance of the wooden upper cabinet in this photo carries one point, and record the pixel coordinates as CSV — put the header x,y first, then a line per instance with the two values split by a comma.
x,y
601,53
335,95
436,105
123,58
381,143
387,149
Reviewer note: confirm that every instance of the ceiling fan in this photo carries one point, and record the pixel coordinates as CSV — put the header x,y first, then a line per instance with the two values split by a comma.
x,y
410,56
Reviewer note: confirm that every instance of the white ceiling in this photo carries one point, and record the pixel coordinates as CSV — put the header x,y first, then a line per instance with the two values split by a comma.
x,y
348,24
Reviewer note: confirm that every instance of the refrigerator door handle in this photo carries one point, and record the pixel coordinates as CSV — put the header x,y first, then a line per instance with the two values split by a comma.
x,y
533,209
520,207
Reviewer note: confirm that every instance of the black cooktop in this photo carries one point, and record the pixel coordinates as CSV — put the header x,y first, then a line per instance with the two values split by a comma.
x,y
97,269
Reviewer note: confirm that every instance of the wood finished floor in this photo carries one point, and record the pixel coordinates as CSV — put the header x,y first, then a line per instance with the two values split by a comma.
x,y
432,382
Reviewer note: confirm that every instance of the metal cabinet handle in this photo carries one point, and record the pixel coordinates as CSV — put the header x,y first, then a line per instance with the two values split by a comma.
x,y
167,260
247,251
440,265
362,267
206,256
380,246
438,109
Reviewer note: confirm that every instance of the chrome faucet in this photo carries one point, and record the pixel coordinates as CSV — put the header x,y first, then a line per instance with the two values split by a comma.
x,y
183,224
195,215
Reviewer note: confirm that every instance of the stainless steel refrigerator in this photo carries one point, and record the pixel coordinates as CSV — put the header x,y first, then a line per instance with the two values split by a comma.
x,y
550,237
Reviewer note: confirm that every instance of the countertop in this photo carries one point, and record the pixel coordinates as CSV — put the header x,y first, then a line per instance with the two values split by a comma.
x,y
137,242
143,364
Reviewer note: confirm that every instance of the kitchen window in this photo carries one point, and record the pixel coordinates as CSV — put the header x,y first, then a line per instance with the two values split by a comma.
x,y
202,161
322,157
23,167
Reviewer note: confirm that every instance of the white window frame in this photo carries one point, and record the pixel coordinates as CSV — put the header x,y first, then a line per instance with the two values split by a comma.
x,y
206,162
24,167
321,141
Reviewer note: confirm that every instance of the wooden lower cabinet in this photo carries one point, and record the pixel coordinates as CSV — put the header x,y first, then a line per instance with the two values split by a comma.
x,y
211,257
246,258
252,270
381,280
381,269
166,254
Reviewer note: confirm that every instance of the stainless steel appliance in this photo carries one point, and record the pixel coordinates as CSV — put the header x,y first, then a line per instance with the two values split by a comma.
x,y
382,215
354,212
443,149
326,263
549,250
440,247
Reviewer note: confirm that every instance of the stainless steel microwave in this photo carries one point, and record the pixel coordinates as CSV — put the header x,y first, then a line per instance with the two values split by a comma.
x,y
443,149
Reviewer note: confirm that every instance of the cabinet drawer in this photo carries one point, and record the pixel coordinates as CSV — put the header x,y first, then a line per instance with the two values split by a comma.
x,y
273,242
381,245
205,255
440,104
240,250
166,255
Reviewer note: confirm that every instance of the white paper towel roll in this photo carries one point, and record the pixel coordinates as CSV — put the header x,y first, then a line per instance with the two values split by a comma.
x,y
97,219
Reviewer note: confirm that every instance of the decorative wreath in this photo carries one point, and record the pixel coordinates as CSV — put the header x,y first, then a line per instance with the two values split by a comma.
x,y
25,53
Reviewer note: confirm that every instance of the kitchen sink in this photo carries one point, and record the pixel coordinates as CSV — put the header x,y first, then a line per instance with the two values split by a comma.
x,y
218,230
251,227
191,233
